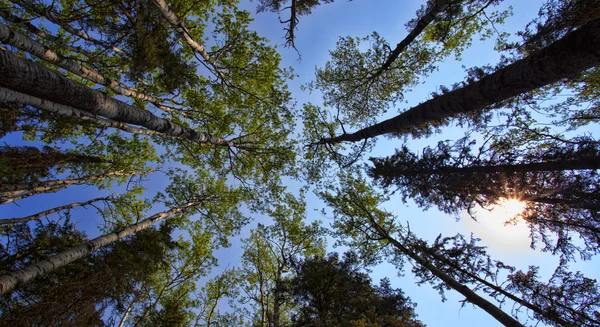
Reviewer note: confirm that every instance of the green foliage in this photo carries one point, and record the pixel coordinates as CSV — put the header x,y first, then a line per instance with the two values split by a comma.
x,y
334,292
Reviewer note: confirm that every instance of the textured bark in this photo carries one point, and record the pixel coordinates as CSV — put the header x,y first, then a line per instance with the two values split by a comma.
x,y
66,111
6,14
509,295
567,57
8,190
584,163
436,8
38,215
21,277
470,296
183,32
65,25
23,76
6,200
24,43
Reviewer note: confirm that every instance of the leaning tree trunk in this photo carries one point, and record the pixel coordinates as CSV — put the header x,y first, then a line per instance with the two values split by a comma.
x,y
184,33
6,221
23,76
567,57
471,296
437,7
583,163
8,16
65,25
70,112
497,289
26,44
6,200
21,277
9,190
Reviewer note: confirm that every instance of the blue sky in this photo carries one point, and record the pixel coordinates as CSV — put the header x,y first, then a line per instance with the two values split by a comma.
x,y
316,35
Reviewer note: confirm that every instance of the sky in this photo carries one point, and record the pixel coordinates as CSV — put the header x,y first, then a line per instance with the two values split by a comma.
x,y
316,35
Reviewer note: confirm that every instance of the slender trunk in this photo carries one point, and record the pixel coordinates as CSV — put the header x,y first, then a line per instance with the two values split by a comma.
x,y
184,33
500,290
21,277
437,7
567,57
590,205
66,111
65,25
6,14
576,164
471,296
26,44
277,299
33,79
6,200
38,215
8,190
127,312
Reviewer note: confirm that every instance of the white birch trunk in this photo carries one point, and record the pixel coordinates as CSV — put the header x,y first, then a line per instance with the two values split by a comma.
x,y
21,277
41,214
23,76
183,32
24,43
66,111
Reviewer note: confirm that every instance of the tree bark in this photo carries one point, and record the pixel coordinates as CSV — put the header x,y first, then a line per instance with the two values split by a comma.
x,y
8,16
24,43
436,8
6,200
567,57
74,31
583,163
184,33
9,190
66,111
23,76
21,277
471,296
41,214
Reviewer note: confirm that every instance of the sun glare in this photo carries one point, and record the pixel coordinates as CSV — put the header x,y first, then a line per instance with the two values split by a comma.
x,y
492,228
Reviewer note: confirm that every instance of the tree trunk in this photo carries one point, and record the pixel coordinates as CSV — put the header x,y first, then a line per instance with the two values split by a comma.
x,y
471,296
38,215
8,16
436,8
6,200
576,164
500,290
183,32
30,78
8,190
50,16
26,44
75,114
567,57
21,277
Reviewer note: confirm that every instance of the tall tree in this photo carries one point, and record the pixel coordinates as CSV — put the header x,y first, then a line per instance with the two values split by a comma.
x,y
364,225
556,183
565,58
334,292
82,293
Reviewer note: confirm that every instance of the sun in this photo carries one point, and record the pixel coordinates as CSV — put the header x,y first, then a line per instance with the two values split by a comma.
x,y
492,227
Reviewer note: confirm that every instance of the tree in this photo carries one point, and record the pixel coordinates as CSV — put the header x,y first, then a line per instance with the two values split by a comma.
x,y
369,229
83,292
564,58
333,292
271,251
556,183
